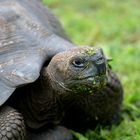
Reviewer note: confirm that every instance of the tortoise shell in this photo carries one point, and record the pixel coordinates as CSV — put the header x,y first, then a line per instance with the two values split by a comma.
x,y
29,36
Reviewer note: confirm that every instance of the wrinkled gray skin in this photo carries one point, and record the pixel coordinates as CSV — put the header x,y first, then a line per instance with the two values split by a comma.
x,y
73,87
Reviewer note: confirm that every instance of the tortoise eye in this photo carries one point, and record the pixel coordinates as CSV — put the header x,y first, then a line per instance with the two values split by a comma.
x,y
79,63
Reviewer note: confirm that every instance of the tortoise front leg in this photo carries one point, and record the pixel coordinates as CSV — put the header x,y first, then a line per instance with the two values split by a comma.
x,y
11,124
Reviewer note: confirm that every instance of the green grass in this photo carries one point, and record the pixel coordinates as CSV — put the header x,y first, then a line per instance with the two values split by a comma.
x,y
115,26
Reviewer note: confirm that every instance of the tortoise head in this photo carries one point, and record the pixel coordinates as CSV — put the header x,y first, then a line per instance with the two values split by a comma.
x,y
79,70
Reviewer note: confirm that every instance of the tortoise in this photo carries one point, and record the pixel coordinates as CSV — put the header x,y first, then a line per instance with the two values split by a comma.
x,y
46,81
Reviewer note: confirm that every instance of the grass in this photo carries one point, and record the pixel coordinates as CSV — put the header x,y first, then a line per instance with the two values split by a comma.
x,y
113,25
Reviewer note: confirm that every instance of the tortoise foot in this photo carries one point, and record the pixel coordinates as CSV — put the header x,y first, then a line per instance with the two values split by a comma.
x,y
58,133
11,124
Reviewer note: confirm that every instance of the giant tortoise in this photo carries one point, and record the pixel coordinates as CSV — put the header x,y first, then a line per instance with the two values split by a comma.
x,y
46,81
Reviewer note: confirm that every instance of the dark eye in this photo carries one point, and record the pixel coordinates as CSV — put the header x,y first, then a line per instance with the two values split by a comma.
x,y
78,63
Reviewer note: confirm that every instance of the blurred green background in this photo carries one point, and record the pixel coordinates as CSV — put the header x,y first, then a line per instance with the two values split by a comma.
x,y
115,26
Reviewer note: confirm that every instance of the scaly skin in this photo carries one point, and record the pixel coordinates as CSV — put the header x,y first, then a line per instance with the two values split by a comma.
x,y
11,124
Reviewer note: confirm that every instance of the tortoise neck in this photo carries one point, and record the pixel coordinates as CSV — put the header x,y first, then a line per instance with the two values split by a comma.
x,y
43,99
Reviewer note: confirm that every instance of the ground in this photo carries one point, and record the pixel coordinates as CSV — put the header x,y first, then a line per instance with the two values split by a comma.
x,y
115,26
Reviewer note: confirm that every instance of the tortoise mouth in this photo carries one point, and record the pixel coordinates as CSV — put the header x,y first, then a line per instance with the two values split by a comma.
x,y
89,84
98,80
95,80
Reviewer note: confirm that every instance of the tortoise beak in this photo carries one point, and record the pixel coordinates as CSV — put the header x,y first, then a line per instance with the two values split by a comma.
x,y
98,72
99,61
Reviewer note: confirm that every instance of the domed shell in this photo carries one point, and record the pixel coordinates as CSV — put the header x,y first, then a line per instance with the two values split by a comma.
x,y
29,35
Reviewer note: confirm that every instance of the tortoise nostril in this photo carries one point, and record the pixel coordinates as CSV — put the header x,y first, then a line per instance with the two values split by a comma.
x,y
100,60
